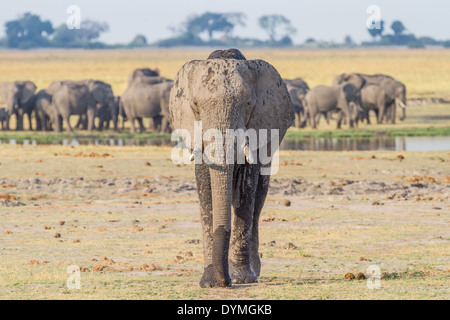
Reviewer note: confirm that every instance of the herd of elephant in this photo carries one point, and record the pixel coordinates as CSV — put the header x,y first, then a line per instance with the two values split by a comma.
x,y
351,97
147,96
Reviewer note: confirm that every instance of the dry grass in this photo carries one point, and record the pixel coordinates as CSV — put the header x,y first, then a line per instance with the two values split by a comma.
x,y
133,226
426,73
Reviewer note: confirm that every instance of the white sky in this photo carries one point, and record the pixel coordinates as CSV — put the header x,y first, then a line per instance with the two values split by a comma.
x,y
329,20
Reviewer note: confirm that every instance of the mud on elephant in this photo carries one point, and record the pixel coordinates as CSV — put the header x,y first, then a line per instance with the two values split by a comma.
x,y
227,92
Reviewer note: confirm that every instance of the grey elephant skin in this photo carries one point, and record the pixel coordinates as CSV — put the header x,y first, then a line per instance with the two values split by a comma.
x,y
343,98
228,92
392,94
297,90
4,119
147,96
43,104
85,97
19,99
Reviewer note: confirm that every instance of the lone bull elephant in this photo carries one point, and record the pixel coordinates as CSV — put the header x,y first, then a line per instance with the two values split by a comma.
x,y
227,92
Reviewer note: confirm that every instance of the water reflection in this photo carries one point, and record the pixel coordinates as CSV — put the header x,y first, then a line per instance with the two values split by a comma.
x,y
311,144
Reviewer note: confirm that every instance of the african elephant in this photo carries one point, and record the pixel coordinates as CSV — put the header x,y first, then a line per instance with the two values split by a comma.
x,y
342,98
44,109
4,119
375,98
392,87
297,90
145,75
85,97
227,93
19,99
142,100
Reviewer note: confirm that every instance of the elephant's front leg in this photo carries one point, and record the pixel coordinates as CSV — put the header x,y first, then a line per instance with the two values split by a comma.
x,y
245,182
260,198
204,194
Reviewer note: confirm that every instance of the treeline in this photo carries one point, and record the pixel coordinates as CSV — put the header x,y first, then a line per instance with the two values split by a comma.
x,y
208,29
401,37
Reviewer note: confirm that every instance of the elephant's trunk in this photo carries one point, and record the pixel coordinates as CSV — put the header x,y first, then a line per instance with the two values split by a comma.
x,y
221,190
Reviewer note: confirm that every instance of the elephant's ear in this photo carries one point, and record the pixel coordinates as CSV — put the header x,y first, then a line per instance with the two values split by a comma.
x,y
181,114
98,91
28,89
273,109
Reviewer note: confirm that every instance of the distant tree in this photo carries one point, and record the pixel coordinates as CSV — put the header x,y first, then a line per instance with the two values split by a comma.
x,y
348,40
377,32
210,23
76,38
397,27
91,30
28,31
276,26
138,41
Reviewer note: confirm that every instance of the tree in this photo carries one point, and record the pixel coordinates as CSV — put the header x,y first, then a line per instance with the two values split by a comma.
x,y
277,26
397,27
28,31
138,41
210,23
377,32
77,38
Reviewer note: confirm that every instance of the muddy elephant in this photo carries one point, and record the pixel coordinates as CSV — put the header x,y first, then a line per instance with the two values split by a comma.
x,y
297,90
143,100
390,87
228,93
19,99
4,119
344,99
85,97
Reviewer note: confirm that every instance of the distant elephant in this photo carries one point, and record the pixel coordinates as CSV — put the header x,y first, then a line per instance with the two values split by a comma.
x,y
297,90
19,99
85,97
145,75
44,109
4,119
375,98
342,98
227,92
392,87
141,100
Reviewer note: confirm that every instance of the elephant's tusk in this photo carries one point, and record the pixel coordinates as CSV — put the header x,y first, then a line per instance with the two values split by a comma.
x,y
402,104
192,157
248,155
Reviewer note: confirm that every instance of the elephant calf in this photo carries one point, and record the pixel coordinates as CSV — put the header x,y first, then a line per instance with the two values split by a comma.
x,y
4,119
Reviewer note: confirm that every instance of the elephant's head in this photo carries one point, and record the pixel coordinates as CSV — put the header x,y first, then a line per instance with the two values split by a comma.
x,y
400,98
354,102
227,93
103,96
357,80
17,93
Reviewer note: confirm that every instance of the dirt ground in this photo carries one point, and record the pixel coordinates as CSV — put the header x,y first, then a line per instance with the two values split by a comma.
x,y
129,219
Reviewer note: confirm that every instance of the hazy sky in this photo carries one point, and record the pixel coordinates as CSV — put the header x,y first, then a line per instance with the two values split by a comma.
x,y
329,20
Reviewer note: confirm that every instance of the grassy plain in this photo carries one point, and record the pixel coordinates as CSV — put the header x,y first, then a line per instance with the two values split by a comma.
x,y
129,217
426,73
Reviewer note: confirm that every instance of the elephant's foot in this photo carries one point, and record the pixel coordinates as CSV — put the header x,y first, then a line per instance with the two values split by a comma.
x,y
209,279
242,274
